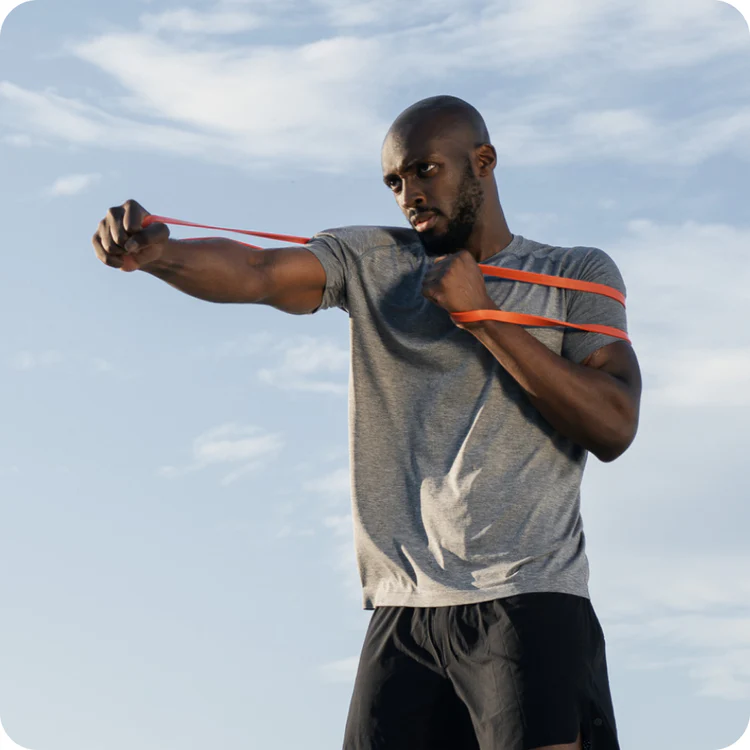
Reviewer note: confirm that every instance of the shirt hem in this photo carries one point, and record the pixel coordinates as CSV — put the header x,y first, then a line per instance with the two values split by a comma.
x,y
450,598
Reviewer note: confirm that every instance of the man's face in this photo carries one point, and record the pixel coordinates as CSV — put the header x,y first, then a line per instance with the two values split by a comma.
x,y
436,188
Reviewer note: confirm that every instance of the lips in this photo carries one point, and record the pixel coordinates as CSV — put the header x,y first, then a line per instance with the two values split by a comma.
x,y
424,221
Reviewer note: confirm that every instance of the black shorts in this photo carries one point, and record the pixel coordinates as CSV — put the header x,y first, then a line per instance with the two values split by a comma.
x,y
515,673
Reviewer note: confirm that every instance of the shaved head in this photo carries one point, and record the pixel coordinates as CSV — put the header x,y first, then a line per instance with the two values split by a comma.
x,y
438,161
441,115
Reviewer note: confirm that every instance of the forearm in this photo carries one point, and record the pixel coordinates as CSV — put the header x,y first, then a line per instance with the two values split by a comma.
x,y
212,269
588,406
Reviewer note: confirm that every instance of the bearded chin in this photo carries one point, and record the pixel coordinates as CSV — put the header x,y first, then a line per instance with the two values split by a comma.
x,y
451,241
461,226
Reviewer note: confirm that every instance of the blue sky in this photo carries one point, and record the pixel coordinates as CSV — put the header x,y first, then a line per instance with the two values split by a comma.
x,y
176,560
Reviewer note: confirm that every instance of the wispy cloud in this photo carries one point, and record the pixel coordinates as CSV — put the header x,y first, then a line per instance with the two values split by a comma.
x,y
244,448
310,364
270,102
683,316
72,184
676,605
189,21
703,377
304,359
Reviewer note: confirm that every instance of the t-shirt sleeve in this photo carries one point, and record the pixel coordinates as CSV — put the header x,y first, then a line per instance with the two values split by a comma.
x,y
588,308
331,253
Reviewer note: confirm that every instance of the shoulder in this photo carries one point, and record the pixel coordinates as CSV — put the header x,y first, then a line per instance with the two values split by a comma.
x,y
589,264
581,262
358,240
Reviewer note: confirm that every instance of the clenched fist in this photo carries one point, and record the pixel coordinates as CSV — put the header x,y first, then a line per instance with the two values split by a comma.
x,y
122,242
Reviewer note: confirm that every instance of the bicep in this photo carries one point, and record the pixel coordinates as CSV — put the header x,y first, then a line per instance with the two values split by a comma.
x,y
294,280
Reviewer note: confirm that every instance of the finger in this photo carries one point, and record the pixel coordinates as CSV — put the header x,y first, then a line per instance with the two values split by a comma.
x,y
115,227
153,234
134,214
105,237
114,261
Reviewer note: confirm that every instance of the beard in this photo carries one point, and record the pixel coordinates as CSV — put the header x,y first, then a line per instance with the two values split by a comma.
x,y
461,223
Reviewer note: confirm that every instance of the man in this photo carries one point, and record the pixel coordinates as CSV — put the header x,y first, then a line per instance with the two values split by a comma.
x,y
468,442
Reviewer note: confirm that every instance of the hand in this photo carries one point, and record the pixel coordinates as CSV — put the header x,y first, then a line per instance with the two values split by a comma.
x,y
455,283
122,242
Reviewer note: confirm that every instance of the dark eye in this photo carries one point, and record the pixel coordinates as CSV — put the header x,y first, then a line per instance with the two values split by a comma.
x,y
426,169
392,182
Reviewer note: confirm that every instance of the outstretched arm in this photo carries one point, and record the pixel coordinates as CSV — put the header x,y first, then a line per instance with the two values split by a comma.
x,y
215,269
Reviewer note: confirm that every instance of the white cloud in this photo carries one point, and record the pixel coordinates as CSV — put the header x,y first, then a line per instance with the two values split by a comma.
x,y
245,448
687,304
703,377
188,21
268,102
694,611
303,359
304,363
79,123
264,102
72,184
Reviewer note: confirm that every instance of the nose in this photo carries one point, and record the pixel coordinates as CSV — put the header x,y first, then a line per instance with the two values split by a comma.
x,y
411,196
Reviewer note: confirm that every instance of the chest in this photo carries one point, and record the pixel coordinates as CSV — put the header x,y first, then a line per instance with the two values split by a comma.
x,y
392,295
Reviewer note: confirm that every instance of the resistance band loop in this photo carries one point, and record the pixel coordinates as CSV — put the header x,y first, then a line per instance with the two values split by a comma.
x,y
473,315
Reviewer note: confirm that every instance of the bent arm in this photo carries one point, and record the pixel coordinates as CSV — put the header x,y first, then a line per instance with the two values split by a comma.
x,y
221,270
595,404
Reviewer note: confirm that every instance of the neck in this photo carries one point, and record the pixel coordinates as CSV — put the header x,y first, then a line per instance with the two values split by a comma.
x,y
491,233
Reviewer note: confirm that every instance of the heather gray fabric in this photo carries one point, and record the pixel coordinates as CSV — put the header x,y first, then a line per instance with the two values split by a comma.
x,y
461,491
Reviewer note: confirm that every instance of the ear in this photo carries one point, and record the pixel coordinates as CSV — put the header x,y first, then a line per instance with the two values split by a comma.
x,y
486,157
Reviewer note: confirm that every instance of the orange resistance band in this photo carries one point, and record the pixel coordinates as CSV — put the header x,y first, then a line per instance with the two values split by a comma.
x,y
473,315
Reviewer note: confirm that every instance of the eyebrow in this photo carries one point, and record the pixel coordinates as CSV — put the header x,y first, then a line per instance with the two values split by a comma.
x,y
406,167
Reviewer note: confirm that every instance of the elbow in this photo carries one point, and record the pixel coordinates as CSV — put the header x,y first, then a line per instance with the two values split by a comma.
x,y
620,442
607,455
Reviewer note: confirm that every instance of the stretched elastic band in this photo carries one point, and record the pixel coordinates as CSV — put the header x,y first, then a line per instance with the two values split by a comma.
x,y
153,219
472,316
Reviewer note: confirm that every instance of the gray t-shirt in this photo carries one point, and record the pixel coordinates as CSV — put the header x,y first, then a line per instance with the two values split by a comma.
x,y
461,491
